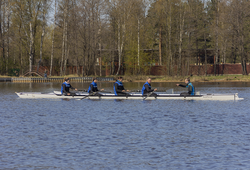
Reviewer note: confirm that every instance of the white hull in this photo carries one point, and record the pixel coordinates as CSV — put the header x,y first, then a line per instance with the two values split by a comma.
x,y
135,96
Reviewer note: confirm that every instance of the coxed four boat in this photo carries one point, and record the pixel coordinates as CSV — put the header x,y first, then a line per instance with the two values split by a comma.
x,y
133,96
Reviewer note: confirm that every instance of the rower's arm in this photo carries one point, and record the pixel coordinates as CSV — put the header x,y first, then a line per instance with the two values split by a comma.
x,y
64,90
91,88
116,88
72,87
182,85
189,89
147,89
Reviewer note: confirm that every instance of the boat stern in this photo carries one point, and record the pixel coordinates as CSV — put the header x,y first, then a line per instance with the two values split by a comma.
x,y
236,97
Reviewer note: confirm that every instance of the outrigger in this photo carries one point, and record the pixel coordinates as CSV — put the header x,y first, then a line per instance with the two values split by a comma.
x,y
132,96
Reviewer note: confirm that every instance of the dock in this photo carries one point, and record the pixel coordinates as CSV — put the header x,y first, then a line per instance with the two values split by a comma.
x,y
45,80
5,79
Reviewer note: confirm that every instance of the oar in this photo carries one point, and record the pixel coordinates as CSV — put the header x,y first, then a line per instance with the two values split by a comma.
x,y
84,97
135,90
147,95
104,91
90,94
82,90
170,91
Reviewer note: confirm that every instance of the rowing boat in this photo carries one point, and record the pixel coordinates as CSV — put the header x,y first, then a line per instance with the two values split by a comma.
x,y
133,96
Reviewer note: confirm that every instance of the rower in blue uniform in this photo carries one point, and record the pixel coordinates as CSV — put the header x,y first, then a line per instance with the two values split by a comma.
x,y
93,88
189,85
146,89
119,90
66,86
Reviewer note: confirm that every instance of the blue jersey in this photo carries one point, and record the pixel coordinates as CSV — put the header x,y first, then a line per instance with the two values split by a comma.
x,y
119,87
144,88
94,87
190,84
67,86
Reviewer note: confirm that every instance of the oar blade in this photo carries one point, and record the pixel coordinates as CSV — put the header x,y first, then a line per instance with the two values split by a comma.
x,y
170,91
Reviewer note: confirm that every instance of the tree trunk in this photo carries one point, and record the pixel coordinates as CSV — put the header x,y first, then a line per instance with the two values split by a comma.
x,y
88,50
114,52
31,49
138,46
216,37
63,45
180,40
94,46
66,45
189,49
2,35
243,58
119,47
62,71
120,44
20,48
43,32
170,66
53,39
8,34
76,39
1,30
100,52
76,53
160,41
205,50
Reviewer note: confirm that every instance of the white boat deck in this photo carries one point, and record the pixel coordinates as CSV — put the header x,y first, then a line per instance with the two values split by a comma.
x,y
133,96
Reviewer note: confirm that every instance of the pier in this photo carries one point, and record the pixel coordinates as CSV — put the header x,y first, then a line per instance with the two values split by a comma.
x,y
5,79
44,80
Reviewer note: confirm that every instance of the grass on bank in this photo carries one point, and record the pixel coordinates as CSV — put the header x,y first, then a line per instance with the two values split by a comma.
x,y
212,78
142,78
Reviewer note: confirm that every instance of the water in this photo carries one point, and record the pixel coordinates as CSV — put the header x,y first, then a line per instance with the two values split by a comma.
x,y
127,134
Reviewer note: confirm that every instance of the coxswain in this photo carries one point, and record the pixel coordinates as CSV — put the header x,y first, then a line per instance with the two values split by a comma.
x,y
146,89
119,89
65,88
189,85
93,88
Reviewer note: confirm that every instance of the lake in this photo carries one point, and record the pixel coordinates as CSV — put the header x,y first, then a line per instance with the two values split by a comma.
x,y
124,134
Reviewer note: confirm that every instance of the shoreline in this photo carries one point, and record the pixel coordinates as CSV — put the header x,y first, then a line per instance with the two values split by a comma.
x,y
126,78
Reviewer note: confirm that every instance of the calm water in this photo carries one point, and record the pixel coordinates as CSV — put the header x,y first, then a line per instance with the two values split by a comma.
x,y
129,134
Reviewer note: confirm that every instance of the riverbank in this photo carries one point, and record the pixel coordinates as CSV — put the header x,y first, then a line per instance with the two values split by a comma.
x,y
220,78
142,78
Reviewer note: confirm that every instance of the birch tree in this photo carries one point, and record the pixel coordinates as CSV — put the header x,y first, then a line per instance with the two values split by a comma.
x,y
53,40
43,31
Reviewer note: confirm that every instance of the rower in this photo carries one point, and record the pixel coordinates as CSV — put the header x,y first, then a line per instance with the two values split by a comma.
x,y
146,89
65,88
119,89
93,88
189,85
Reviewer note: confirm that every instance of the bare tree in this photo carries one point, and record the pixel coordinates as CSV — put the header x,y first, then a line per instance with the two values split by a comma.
x,y
53,40
181,31
7,6
43,32
64,39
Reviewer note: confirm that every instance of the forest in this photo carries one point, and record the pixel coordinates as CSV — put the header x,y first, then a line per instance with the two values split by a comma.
x,y
125,36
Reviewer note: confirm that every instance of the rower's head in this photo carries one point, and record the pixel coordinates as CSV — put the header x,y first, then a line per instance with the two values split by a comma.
x,y
187,80
95,80
66,79
149,80
119,78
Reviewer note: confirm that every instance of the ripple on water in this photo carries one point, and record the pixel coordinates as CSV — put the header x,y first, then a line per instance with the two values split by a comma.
x,y
126,134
